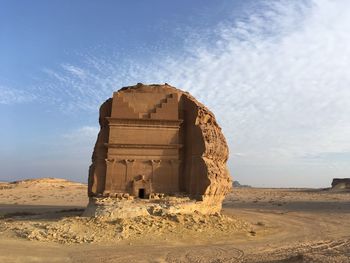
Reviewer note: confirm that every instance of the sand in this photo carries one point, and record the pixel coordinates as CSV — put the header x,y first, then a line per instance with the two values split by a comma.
x,y
40,222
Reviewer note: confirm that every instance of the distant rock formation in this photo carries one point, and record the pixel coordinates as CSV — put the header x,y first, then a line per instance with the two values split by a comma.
x,y
341,183
237,184
156,140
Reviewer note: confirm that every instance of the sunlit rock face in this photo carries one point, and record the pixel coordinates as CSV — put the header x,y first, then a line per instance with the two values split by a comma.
x,y
157,141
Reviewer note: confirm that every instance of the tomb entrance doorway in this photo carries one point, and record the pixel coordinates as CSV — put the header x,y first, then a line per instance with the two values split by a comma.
x,y
142,193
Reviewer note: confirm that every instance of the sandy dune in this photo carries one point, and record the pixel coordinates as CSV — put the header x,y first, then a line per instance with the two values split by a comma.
x,y
39,223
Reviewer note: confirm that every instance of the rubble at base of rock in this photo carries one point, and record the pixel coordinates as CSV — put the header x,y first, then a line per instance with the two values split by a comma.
x,y
91,230
115,208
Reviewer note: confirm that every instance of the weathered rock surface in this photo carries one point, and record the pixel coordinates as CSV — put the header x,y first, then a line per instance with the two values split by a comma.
x,y
341,183
112,208
158,140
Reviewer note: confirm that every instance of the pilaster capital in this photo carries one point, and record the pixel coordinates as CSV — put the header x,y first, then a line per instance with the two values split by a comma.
x,y
129,161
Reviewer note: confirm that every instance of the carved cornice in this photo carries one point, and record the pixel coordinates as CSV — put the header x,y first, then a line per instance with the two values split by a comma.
x,y
143,146
144,123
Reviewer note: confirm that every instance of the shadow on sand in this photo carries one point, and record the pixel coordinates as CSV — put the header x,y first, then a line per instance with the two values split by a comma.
x,y
41,212
291,206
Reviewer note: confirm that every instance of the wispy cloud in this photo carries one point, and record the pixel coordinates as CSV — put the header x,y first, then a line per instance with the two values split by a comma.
x,y
277,80
14,96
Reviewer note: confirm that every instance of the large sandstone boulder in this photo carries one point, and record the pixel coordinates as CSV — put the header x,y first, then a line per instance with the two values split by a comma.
x,y
341,183
156,140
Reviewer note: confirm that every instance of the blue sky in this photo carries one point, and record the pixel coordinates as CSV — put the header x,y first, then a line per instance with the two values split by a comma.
x,y
275,73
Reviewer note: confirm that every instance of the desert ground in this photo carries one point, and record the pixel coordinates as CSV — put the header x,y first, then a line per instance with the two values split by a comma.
x,y
40,222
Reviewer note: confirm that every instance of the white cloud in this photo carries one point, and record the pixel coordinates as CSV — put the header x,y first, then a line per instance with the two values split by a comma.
x,y
277,81
14,96
75,71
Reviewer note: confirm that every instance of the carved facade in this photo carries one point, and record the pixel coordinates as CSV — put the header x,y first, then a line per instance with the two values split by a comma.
x,y
158,139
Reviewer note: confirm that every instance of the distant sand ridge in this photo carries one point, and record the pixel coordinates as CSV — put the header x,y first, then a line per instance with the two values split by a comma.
x,y
45,191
